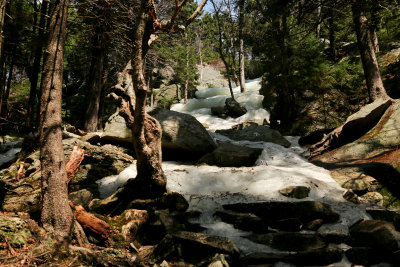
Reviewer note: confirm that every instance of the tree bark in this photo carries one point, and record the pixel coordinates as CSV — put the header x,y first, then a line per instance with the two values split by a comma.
x,y
332,32
56,216
95,83
370,64
6,94
3,4
220,50
187,69
241,47
34,77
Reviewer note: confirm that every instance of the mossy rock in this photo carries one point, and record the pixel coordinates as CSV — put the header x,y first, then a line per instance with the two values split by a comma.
x,y
15,230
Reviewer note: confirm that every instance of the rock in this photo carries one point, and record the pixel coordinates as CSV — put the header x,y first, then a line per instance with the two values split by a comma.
x,y
132,221
15,230
92,138
230,155
170,224
318,257
287,241
349,195
365,256
289,224
219,260
313,137
305,211
243,221
195,246
115,130
336,237
263,258
295,191
174,202
183,136
373,197
221,112
376,153
256,133
375,234
235,109
82,197
385,215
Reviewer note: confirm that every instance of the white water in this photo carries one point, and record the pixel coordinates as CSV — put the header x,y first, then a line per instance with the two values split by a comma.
x,y
207,188
13,149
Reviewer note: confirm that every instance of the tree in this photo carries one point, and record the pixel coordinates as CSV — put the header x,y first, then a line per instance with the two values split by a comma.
x,y
56,213
367,46
98,52
150,181
241,46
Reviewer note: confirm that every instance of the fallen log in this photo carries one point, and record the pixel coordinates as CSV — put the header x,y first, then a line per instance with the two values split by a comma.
x,y
92,225
74,161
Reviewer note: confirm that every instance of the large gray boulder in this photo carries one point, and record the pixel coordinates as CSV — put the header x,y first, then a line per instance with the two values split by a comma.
x,y
115,130
230,155
183,136
256,133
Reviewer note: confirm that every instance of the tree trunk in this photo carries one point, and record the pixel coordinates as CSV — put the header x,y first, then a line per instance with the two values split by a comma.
x,y
56,214
241,47
3,4
285,106
95,83
370,64
4,100
34,77
187,69
220,50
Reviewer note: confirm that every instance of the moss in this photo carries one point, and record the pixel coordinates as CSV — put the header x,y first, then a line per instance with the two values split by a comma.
x,y
15,231
389,201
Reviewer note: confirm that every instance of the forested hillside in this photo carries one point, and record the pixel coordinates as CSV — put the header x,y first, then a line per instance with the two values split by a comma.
x,y
155,132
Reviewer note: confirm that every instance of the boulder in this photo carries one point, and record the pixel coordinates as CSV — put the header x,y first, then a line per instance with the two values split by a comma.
x,y
81,197
115,130
379,145
193,246
318,257
298,192
373,197
183,137
385,215
375,234
243,221
230,155
132,220
365,256
264,258
305,211
287,241
221,112
256,133
235,109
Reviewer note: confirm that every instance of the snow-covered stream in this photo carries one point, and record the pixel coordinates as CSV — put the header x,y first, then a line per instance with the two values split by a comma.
x,y
207,188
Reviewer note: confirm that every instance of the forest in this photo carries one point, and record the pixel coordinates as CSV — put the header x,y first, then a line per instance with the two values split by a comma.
x,y
199,133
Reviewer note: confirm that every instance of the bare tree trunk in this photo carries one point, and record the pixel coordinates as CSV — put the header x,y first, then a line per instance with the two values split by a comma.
x,y
241,47
56,217
3,4
95,82
220,50
4,100
34,77
372,75
200,56
187,69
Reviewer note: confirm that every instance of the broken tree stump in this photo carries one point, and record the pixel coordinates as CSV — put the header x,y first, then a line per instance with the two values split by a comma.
x,y
74,161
